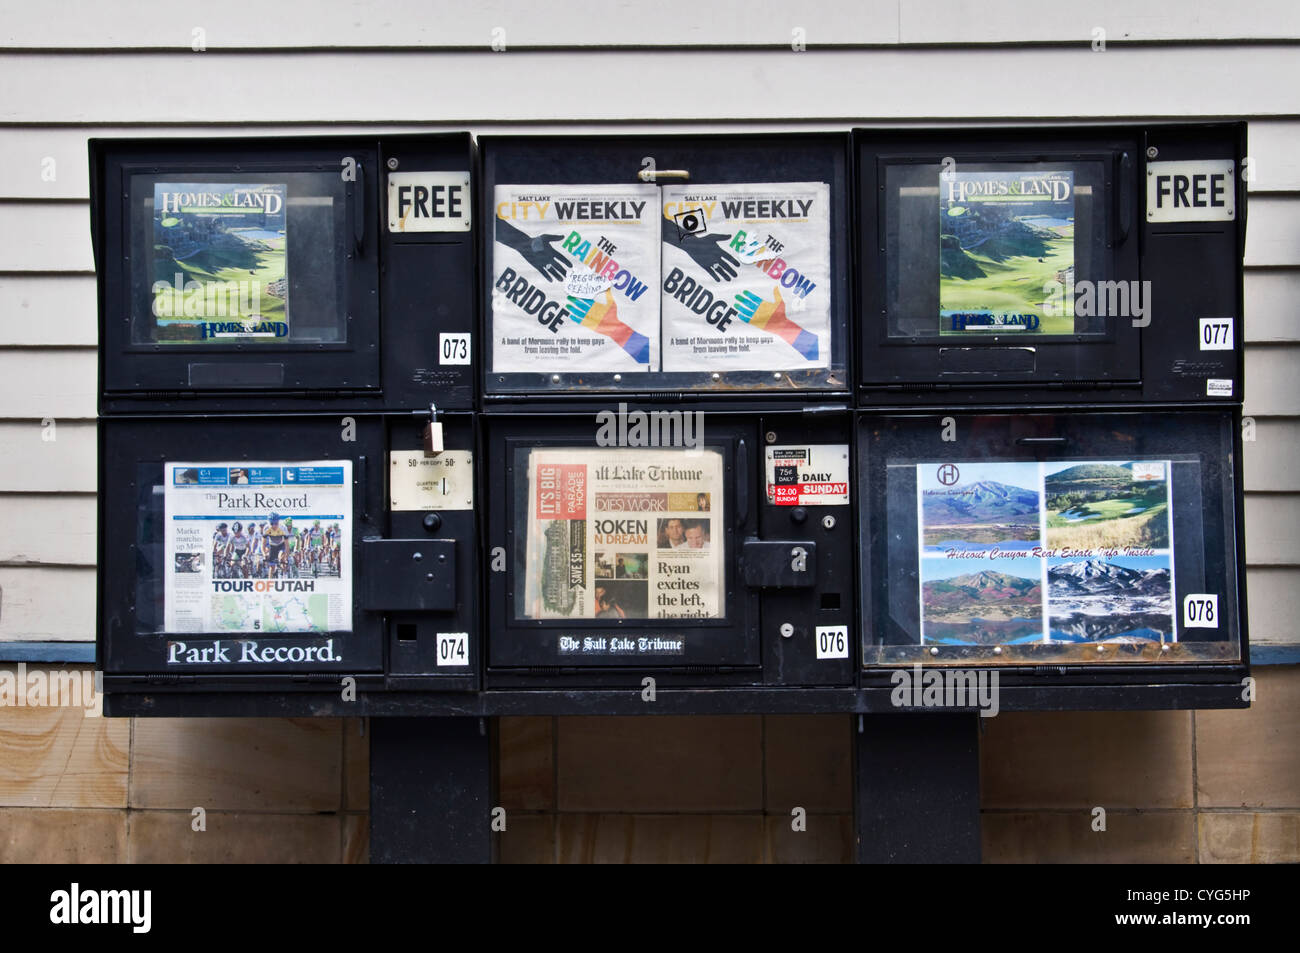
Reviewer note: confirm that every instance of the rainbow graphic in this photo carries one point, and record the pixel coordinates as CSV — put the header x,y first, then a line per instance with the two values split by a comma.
x,y
770,316
602,317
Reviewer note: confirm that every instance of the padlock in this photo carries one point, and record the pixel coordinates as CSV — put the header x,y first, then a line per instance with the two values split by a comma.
x,y
433,438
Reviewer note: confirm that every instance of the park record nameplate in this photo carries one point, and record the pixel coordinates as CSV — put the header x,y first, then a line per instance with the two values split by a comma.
x,y
287,650
428,202
1194,191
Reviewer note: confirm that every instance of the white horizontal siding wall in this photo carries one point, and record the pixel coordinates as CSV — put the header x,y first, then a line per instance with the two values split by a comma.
x,y
76,70
521,24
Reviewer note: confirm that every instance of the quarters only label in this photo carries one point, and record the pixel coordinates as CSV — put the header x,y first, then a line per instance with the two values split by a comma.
x,y
444,482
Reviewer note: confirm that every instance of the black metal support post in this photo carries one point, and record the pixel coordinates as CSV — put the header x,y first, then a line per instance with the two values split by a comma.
x,y
431,791
917,788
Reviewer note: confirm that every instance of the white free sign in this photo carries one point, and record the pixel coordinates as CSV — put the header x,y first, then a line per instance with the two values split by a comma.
x,y
1199,191
428,202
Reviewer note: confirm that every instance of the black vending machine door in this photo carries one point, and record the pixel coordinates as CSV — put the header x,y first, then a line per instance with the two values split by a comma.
x,y
238,266
727,562
618,557
1053,264
664,264
976,240
231,546
1077,541
258,274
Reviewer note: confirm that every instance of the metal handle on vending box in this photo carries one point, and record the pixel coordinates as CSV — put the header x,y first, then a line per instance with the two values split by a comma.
x,y
363,483
1040,441
654,175
1126,194
742,482
359,210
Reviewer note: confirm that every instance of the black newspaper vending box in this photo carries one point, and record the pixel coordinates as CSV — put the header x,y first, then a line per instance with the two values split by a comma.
x,y
1088,264
667,416
285,273
287,446
1049,435
1056,542
258,551
705,564
664,264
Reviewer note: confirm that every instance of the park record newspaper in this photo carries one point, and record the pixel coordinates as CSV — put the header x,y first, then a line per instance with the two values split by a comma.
x,y
624,534
217,584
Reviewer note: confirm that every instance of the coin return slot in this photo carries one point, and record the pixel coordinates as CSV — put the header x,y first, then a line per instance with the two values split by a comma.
x,y
406,631
829,600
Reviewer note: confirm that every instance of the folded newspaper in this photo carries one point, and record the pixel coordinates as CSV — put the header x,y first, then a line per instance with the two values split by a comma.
x,y
574,271
259,547
746,277
624,534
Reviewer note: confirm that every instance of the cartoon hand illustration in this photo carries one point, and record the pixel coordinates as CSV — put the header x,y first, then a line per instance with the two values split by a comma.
x,y
538,251
602,317
770,316
705,250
